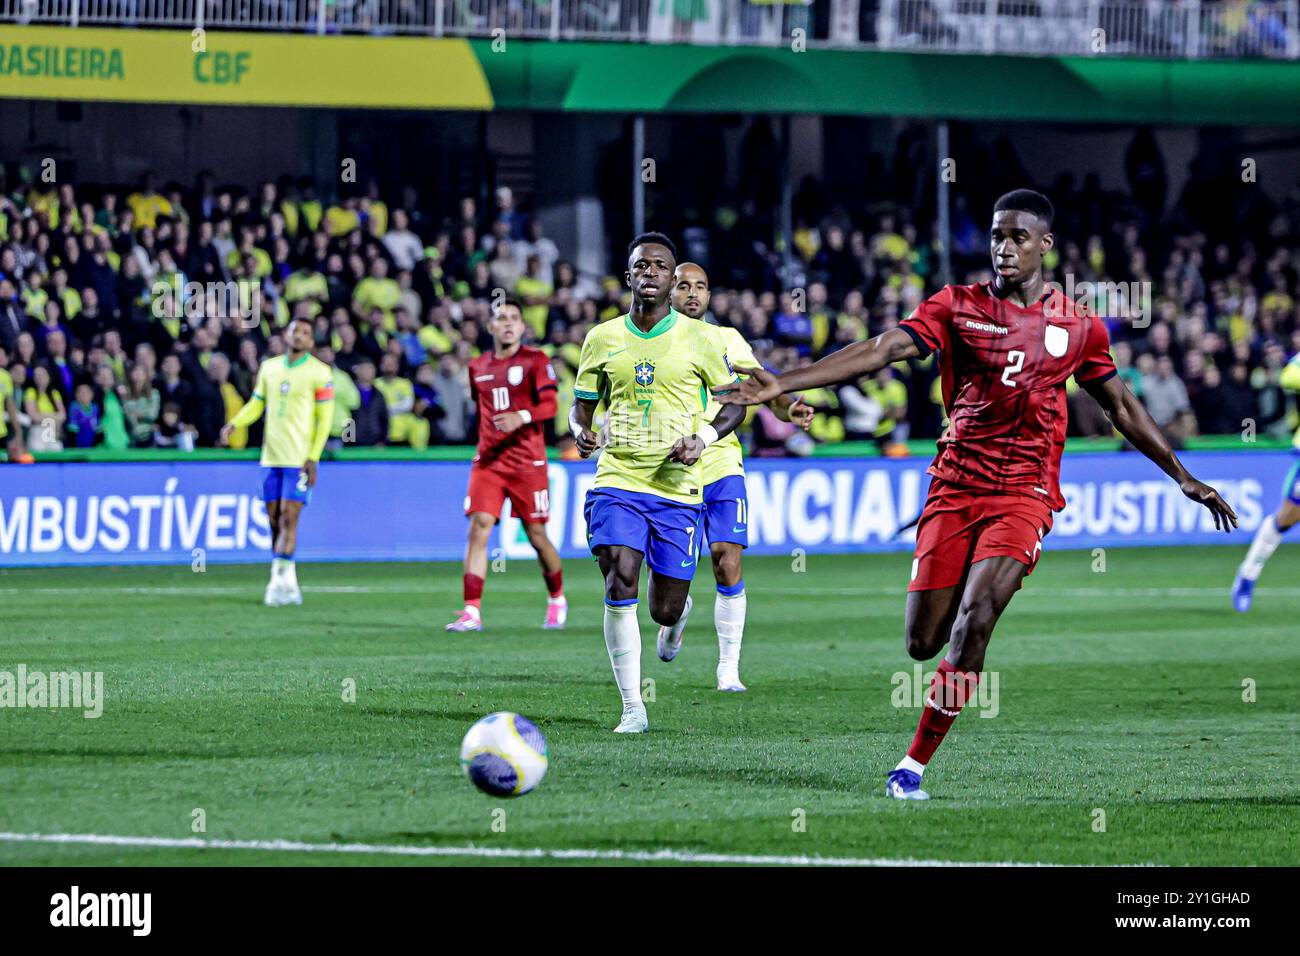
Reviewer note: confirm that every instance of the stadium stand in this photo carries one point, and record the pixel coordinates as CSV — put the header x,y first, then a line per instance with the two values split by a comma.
x,y
135,317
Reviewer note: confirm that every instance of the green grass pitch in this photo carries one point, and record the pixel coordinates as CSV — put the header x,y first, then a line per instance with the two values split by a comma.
x,y
1119,691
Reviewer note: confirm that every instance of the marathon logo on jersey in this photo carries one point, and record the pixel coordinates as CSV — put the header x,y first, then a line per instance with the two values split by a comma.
x,y
515,374
645,372
1056,340
986,327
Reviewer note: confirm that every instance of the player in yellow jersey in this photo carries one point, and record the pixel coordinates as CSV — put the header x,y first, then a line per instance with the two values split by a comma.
x,y
726,504
654,369
297,392
1269,534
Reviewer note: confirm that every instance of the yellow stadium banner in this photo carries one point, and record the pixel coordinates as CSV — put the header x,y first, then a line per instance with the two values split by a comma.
x,y
244,69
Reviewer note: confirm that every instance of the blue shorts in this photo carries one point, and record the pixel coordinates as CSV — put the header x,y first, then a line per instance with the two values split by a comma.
x,y
285,484
1291,489
726,511
666,532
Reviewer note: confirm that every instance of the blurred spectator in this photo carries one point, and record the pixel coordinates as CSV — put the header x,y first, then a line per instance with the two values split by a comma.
x,y
112,418
1166,399
83,418
371,415
46,412
171,431
141,404
404,426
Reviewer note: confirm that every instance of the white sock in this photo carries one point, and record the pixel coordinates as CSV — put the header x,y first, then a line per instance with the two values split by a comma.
x,y
907,763
729,621
277,570
623,641
1267,538
473,612
289,573
558,599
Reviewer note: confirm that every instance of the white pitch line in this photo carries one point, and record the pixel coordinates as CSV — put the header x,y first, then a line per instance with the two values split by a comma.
x,y
483,852
432,587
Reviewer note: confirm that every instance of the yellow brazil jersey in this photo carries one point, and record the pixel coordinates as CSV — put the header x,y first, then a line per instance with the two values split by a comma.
x,y
291,393
723,457
6,389
147,208
656,385
1290,380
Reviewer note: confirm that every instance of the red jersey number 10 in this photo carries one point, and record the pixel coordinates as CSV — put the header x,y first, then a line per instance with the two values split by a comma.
x,y
500,398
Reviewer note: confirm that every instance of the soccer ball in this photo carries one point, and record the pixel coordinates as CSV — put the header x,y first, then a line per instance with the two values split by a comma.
x,y
504,755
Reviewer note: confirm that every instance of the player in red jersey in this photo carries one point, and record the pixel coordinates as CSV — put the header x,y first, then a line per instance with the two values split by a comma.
x,y
1006,349
514,387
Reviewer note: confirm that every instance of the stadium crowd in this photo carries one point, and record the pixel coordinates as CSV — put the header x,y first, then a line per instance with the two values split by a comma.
x,y
137,317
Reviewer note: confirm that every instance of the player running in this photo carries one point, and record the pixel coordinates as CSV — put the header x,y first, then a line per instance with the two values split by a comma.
x,y
726,504
1269,534
514,387
297,392
654,371
1006,349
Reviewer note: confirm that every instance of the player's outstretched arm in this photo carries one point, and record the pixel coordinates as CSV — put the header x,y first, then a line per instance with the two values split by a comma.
x,y
794,410
1131,420
854,361
581,416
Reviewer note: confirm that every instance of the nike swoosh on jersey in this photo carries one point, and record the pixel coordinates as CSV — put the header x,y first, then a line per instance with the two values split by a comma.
x,y
613,352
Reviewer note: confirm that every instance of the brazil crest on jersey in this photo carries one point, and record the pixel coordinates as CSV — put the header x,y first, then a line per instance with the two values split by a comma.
x,y
656,386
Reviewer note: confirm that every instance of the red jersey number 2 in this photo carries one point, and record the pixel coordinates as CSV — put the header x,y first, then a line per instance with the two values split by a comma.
x,y
1015,362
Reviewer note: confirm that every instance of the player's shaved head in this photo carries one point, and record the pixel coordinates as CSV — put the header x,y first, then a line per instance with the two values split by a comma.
x,y
690,295
1027,200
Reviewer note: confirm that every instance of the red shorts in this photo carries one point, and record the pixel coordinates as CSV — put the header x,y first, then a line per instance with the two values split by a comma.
x,y
960,526
527,489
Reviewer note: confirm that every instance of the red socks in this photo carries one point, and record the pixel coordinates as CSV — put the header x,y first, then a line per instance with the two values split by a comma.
x,y
554,583
949,691
473,590
473,585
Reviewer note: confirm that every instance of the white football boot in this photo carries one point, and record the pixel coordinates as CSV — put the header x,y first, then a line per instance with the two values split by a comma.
x,y
634,720
670,638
